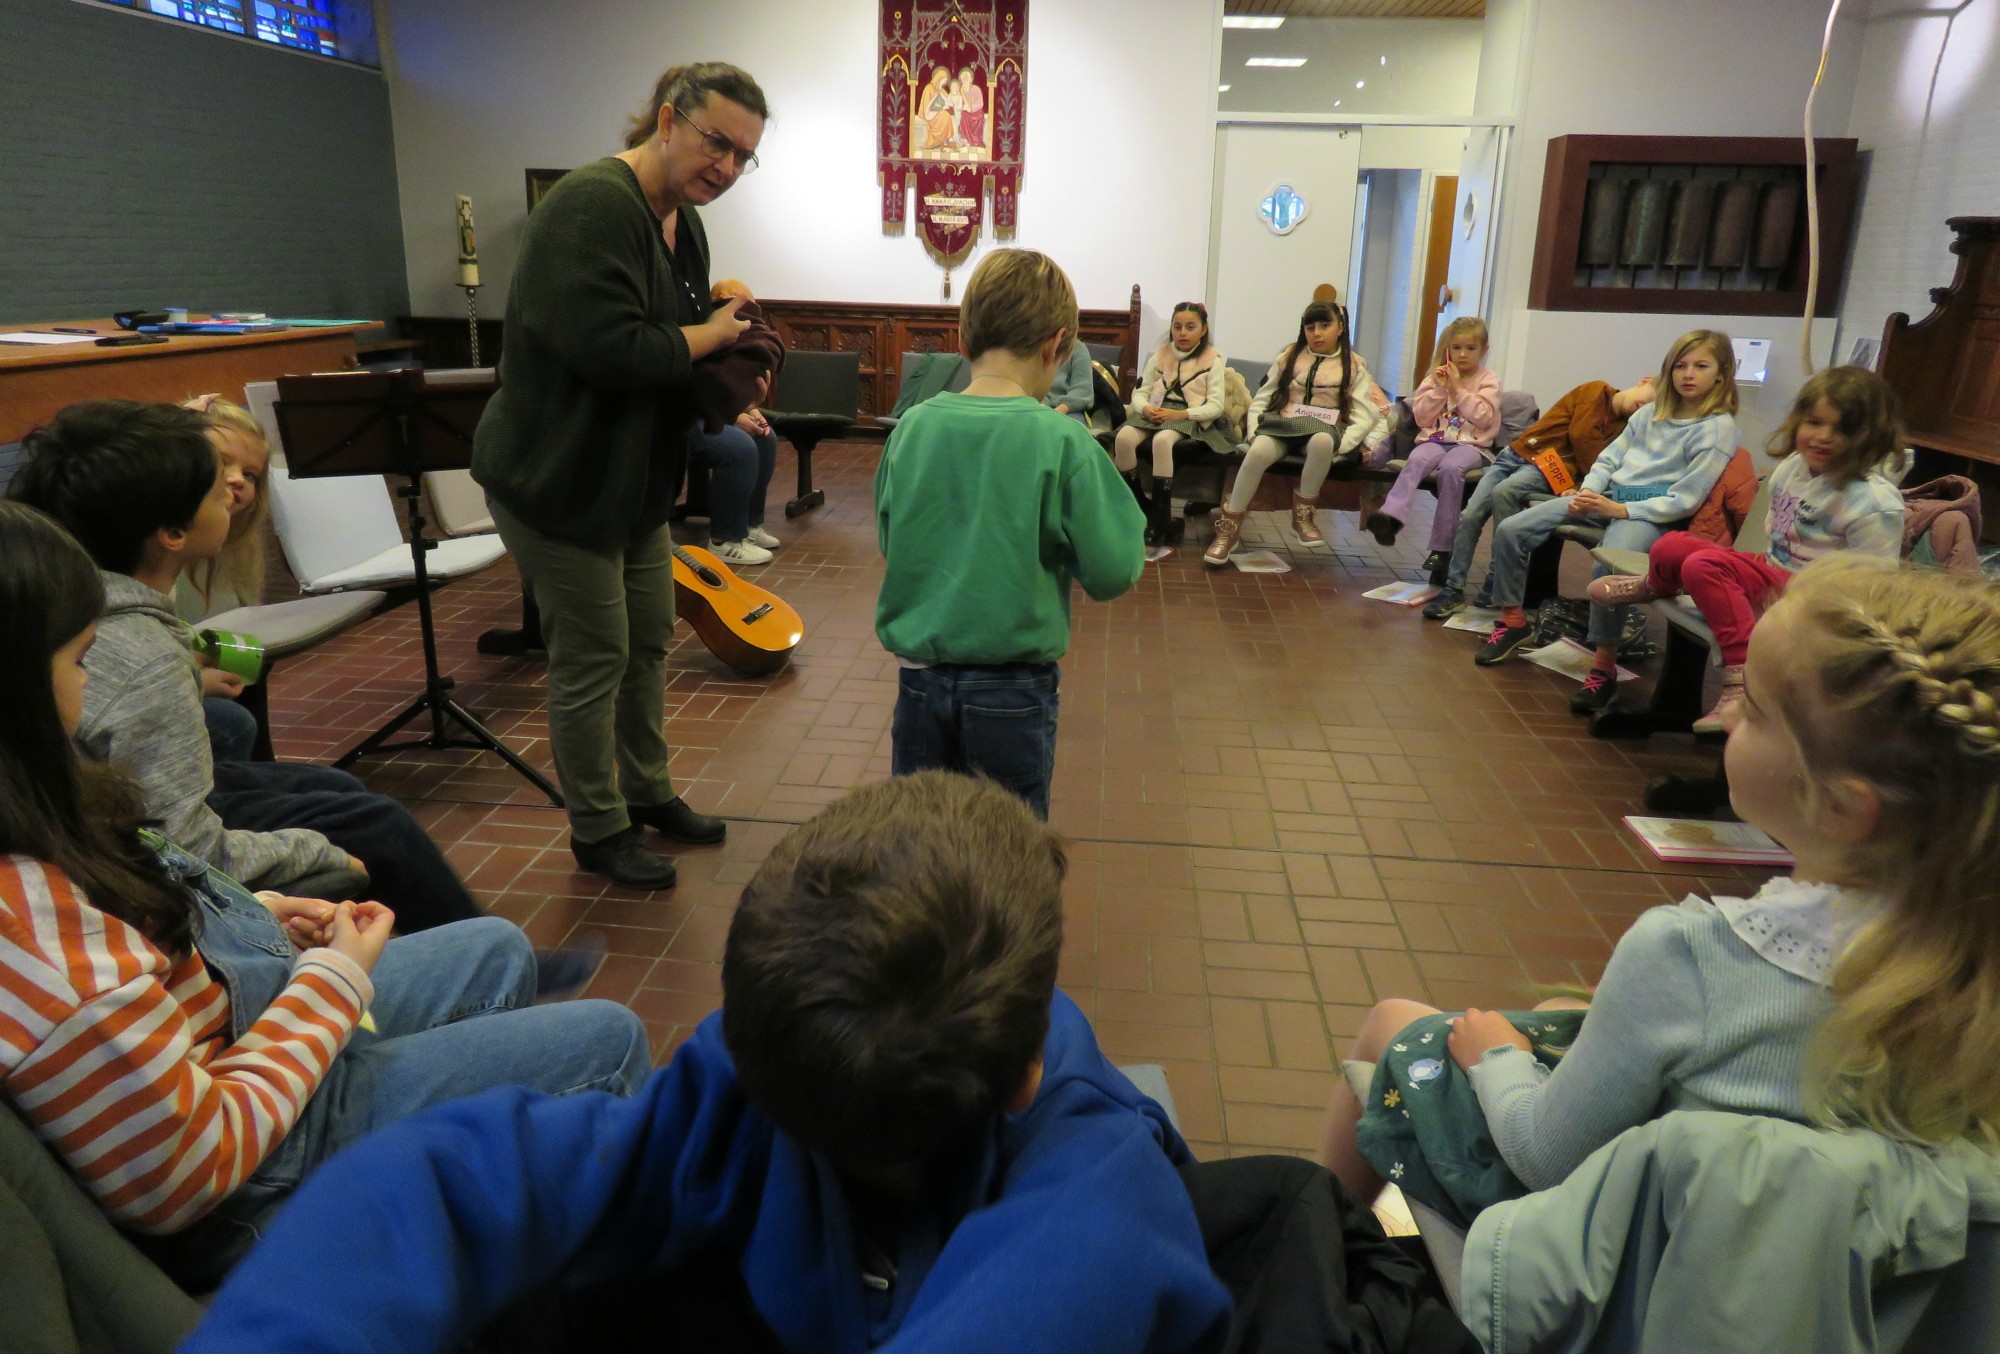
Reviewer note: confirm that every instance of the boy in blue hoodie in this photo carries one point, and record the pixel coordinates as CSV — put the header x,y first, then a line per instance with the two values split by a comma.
x,y
896,1131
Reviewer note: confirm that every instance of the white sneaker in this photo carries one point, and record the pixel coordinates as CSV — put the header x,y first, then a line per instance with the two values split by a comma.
x,y
740,552
759,536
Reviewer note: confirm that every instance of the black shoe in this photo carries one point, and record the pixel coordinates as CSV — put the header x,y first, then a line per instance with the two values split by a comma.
x,y
622,860
677,822
1599,689
1438,565
567,969
1447,603
1131,478
1502,642
1383,528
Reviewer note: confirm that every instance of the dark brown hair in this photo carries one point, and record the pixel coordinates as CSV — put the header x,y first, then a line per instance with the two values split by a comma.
x,y
113,473
688,87
1869,420
1200,312
887,979
1317,312
82,819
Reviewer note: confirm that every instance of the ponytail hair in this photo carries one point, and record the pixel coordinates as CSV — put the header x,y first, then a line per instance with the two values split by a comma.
x,y
687,88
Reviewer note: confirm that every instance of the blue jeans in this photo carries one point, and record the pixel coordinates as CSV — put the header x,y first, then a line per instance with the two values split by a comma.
x,y
1516,538
455,1015
739,467
1508,486
232,730
986,721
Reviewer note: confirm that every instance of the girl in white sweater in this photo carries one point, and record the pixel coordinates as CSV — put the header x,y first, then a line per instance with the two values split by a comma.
x,y
1178,397
1317,396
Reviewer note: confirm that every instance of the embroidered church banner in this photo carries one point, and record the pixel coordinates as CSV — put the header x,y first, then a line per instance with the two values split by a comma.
x,y
951,105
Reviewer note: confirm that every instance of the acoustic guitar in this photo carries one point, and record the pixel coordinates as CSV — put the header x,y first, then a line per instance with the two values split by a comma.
x,y
750,629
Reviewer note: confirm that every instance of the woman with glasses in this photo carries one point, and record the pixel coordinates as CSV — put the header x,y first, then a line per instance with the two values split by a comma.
x,y
582,450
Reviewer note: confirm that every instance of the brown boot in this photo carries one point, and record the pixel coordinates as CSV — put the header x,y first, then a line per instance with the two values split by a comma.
x,y
1303,525
1228,526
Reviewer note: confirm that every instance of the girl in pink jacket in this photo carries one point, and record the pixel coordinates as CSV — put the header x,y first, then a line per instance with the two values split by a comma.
x,y
1457,409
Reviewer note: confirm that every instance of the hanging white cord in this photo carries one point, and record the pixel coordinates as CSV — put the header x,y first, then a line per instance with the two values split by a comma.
x,y
1812,201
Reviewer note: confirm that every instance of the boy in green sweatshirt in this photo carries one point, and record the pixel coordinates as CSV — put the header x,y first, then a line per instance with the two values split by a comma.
x,y
987,504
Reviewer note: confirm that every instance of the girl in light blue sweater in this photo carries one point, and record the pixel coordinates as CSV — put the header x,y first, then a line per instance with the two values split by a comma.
x,y
1648,481
1863,990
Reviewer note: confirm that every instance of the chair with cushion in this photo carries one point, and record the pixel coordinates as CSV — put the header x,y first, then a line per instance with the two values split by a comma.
x,y
917,367
73,1281
340,532
818,396
1676,702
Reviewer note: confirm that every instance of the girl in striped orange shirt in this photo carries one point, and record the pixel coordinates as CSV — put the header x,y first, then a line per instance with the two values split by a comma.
x,y
192,1050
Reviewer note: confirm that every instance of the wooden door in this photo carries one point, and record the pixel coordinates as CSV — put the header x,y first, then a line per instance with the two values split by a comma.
x,y
1437,269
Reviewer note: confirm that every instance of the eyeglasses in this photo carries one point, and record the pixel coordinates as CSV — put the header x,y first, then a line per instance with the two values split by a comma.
x,y
719,147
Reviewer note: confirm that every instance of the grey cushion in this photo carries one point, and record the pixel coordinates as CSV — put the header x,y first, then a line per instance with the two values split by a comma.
x,y
287,627
1518,411
1151,1078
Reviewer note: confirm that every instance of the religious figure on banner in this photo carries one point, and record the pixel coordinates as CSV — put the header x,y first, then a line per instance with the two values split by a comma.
x,y
951,105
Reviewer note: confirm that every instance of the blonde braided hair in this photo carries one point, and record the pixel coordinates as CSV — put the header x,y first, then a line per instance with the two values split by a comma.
x,y
1895,682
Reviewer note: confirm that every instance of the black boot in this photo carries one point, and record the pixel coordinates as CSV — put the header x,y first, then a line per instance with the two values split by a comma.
x,y
1131,478
1160,513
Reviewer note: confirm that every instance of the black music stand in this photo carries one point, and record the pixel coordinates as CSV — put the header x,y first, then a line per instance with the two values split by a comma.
x,y
397,423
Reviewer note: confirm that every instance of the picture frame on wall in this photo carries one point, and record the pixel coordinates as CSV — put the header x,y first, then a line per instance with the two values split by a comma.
x,y
539,182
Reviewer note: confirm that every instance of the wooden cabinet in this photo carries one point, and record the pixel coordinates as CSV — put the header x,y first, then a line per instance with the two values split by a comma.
x,y
881,334
1946,366
1689,225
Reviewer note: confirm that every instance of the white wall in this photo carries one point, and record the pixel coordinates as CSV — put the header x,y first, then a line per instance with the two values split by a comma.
x,y
483,89
1431,66
1697,68
1924,112
1263,280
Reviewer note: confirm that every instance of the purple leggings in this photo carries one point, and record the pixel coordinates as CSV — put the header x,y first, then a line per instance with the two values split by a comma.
x,y
1448,461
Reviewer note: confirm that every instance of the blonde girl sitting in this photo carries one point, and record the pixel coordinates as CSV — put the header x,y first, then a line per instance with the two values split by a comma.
x,y
1178,397
1648,481
1862,990
1457,409
1830,492
234,578
1319,397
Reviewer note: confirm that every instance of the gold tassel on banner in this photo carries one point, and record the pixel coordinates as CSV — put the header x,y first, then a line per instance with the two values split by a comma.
x,y
947,282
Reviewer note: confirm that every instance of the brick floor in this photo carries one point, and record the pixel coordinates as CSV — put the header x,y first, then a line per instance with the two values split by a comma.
x,y
1285,801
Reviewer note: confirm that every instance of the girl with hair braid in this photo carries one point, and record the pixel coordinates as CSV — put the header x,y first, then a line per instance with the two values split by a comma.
x,y
1862,991
1317,396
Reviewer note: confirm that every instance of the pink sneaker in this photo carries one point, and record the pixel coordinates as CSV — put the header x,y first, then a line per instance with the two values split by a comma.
x,y
1620,590
1716,720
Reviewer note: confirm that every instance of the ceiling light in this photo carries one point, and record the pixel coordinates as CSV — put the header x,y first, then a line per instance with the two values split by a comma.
x,y
1385,60
1222,89
1281,62
1336,103
1253,20
1361,84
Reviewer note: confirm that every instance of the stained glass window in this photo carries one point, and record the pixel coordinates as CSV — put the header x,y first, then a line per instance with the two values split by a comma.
x,y
342,29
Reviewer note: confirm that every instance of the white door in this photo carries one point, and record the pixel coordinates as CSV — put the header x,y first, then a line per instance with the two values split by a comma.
x,y
1262,279
1473,235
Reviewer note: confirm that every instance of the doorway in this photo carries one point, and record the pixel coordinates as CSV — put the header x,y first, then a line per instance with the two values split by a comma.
x,y
1437,272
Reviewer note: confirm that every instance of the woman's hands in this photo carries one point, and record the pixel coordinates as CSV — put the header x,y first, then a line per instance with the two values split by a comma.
x,y
719,330
1476,1031
1589,503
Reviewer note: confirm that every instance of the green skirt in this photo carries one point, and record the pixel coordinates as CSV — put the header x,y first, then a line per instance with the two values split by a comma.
x,y
1211,435
1422,1128
1297,427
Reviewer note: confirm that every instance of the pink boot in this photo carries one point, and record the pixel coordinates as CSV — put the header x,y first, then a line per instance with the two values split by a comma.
x,y
1715,720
